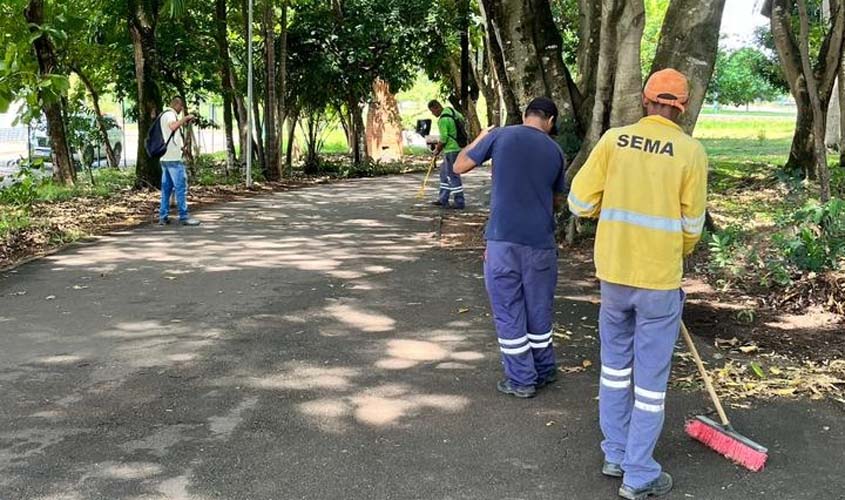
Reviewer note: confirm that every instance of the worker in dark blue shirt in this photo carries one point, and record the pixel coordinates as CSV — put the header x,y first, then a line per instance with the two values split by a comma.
x,y
520,265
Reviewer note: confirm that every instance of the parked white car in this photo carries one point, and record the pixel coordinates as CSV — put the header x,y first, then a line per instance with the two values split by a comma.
x,y
93,154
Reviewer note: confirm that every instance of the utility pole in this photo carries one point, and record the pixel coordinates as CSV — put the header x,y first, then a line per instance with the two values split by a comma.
x,y
464,16
249,100
124,150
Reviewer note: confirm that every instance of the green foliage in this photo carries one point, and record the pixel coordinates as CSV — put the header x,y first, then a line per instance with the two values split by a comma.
x,y
723,247
347,170
23,191
210,170
771,70
12,220
106,183
655,12
378,38
740,78
566,14
816,240
20,77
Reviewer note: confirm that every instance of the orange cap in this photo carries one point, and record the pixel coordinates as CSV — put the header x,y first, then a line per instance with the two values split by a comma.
x,y
668,86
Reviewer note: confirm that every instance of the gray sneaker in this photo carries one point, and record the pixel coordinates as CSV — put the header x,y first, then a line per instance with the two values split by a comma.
x,y
659,487
163,222
611,469
189,222
505,387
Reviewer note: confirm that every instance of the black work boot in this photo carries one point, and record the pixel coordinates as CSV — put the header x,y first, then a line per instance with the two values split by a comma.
x,y
659,487
505,387
549,380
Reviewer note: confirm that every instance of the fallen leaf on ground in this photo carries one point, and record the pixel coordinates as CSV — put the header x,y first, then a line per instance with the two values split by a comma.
x,y
748,348
463,310
726,344
586,363
571,369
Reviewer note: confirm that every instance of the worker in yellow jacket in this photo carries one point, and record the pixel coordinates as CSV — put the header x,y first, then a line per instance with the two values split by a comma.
x,y
647,185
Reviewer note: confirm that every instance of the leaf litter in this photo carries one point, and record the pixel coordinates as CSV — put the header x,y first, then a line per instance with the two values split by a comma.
x,y
765,377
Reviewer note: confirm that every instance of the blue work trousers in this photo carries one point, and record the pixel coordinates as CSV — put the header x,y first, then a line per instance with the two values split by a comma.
x,y
638,330
521,282
450,182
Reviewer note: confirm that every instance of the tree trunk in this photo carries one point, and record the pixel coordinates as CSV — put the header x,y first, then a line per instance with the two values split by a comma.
x,y
589,27
346,124
240,109
63,171
357,134
228,118
486,78
257,142
689,41
842,107
832,136
505,91
818,110
101,123
221,38
618,74
530,55
470,110
292,118
188,156
281,112
142,26
271,141
802,157
802,154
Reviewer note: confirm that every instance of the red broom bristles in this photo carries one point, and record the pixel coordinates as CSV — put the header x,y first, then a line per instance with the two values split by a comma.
x,y
726,445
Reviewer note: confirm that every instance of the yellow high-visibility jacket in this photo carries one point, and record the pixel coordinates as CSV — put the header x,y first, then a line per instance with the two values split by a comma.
x,y
647,184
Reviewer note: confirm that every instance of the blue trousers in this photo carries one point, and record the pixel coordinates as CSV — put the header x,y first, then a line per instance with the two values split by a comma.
x,y
173,178
638,330
521,282
450,182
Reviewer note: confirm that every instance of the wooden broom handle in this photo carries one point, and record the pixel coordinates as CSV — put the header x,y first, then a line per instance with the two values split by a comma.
x,y
707,382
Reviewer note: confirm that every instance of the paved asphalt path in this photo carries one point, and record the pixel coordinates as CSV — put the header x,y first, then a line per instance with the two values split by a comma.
x,y
318,344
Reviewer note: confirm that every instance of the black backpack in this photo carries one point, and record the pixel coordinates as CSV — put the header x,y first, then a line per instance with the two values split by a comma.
x,y
462,137
155,144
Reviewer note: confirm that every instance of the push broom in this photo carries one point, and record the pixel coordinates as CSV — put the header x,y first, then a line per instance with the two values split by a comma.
x,y
722,438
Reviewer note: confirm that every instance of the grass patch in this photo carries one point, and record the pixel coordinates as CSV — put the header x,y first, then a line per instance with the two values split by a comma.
x,y
106,182
13,219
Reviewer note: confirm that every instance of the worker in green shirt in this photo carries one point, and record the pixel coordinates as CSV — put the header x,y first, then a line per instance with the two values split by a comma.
x,y
453,137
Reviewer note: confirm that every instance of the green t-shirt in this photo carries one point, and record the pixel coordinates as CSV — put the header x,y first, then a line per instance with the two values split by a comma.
x,y
449,130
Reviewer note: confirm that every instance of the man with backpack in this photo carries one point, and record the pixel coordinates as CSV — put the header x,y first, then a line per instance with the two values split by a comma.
x,y
166,141
453,138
